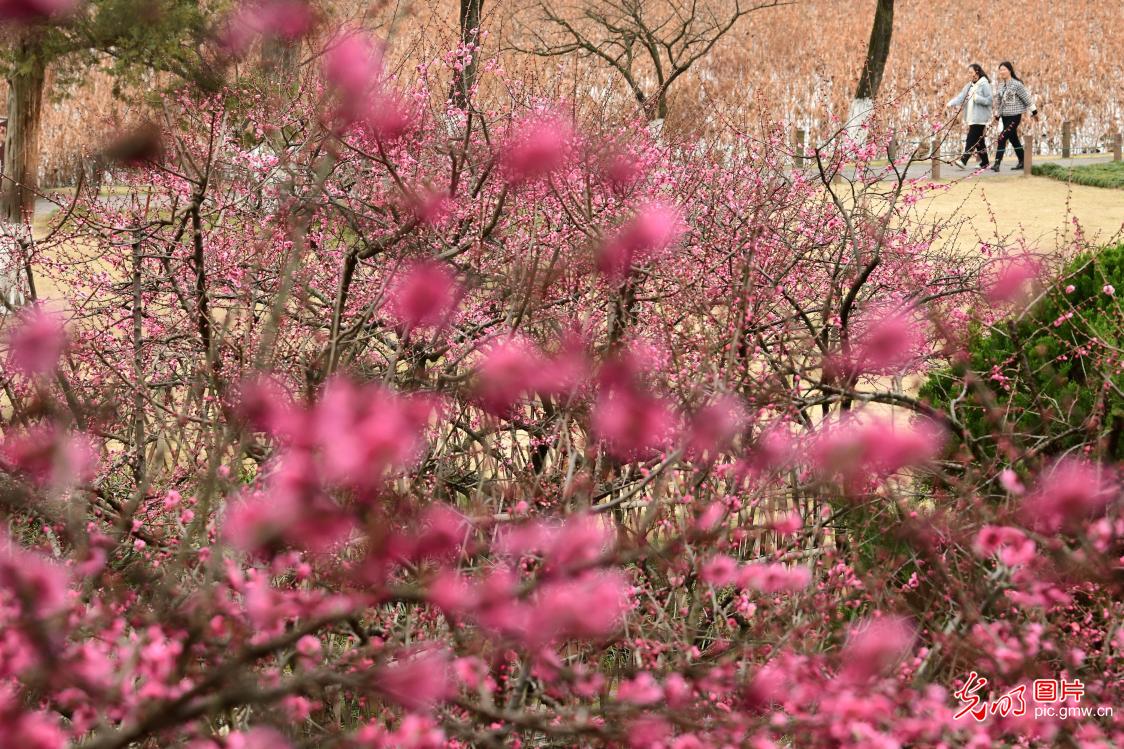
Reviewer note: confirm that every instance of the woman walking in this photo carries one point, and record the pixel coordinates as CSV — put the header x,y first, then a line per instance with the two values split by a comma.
x,y
976,98
1011,100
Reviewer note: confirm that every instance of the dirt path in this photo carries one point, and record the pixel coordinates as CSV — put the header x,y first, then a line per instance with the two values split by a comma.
x,y
1044,212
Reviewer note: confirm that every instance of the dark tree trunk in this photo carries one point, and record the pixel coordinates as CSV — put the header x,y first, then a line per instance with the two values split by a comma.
x,y
281,63
21,143
877,50
465,79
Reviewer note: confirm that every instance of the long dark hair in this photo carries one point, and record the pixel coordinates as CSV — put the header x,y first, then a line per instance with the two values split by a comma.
x,y
979,71
1010,69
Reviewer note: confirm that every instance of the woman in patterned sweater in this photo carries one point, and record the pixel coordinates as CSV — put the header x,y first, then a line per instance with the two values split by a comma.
x,y
1011,100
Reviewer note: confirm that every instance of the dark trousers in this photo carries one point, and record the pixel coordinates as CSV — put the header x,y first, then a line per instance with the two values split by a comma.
x,y
1010,133
975,142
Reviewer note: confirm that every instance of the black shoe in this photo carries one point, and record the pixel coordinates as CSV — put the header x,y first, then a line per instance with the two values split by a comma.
x,y
995,167
1017,167
984,165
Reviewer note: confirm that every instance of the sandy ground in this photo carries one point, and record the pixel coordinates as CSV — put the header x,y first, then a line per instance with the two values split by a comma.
x,y
1044,212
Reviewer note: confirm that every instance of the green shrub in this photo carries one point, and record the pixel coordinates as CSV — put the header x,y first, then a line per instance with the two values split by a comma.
x,y
1052,373
1094,175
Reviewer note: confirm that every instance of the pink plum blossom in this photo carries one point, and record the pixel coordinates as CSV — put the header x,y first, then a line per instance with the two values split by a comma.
x,y
36,341
417,681
28,11
424,296
353,64
537,146
719,570
641,689
654,228
773,578
860,451
1011,544
49,455
287,20
715,426
1070,491
28,729
1011,278
31,581
874,645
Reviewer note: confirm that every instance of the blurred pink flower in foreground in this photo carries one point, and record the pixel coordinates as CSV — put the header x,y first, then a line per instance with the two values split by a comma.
x,y
565,547
788,524
627,417
27,729
265,405
886,346
366,431
50,455
1069,492
537,146
773,577
353,67
587,607
875,645
355,438
642,689
261,522
1011,544
514,367
510,369
431,207
774,448
255,738
1009,281
859,451
31,581
414,732
287,20
715,426
719,570
1009,480
424,296
36,341
632,422
419,680
648,731
26,11
620,169
655,227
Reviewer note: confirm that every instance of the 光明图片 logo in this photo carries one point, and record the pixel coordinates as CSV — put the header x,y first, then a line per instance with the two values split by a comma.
x,y
1053,698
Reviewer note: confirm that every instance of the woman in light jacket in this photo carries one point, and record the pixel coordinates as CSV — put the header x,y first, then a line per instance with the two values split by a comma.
x,y
976,98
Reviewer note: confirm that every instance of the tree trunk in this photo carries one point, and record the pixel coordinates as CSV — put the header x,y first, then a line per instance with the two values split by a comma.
x,y
21,143
877,51
465,79
280,61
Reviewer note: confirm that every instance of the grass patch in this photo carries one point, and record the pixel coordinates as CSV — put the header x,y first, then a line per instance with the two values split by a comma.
x,y
1095,175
